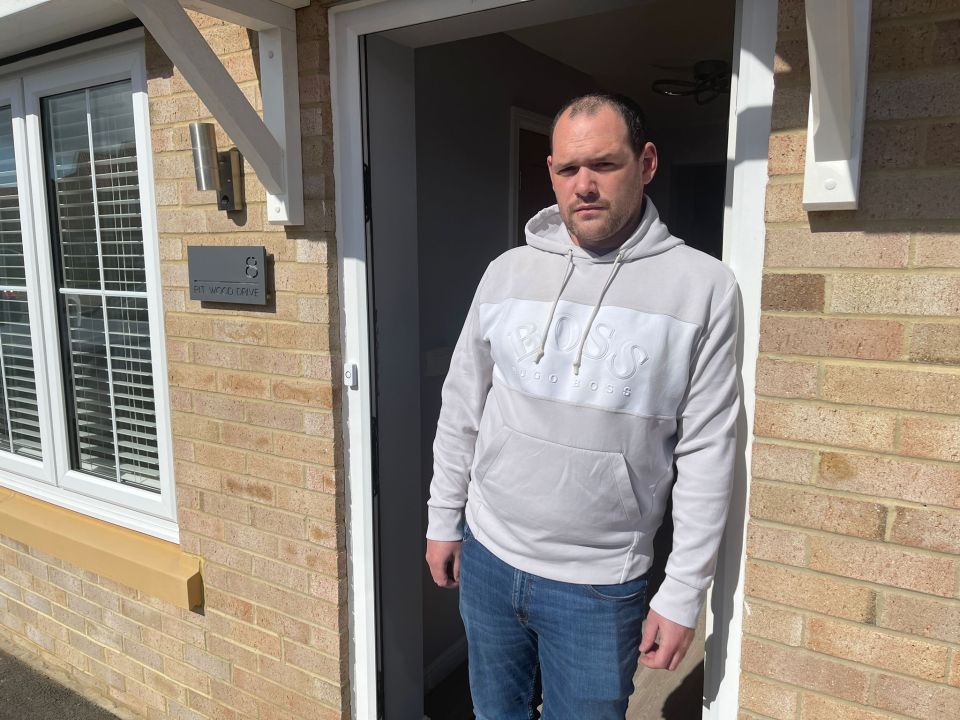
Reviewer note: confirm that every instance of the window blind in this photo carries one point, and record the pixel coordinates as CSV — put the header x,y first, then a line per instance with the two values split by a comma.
x,y
19,416
90,150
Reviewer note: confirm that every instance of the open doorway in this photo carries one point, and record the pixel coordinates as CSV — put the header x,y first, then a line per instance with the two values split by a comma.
x,y
446,160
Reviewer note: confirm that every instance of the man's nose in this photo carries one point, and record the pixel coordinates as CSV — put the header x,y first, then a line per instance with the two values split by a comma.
x,y
586,184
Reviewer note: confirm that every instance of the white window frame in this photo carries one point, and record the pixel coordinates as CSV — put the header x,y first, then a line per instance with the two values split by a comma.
x,y
11,94
53,480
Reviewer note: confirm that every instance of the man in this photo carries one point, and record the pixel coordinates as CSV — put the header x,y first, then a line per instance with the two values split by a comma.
x,y
592,361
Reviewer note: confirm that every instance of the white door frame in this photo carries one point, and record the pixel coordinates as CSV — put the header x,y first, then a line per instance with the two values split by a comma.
x,y
749,132
744,230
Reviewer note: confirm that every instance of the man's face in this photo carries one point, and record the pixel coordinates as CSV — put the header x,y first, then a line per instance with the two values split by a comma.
x,y
597,178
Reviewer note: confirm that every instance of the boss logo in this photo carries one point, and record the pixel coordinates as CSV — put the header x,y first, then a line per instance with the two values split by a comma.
x,y
594,386
622,357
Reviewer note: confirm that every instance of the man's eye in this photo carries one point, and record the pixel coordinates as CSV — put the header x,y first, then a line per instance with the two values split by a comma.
x,y
567,171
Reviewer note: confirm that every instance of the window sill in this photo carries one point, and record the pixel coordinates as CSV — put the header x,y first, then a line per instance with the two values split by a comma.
x,y
152,566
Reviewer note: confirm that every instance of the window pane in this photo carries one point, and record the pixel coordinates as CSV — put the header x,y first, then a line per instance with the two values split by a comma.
x,y
92,169
19,424
93,414
118,193
133,391
11,249
68,162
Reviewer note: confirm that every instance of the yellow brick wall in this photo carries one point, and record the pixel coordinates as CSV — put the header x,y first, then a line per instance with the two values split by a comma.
x,y
852,608
257,461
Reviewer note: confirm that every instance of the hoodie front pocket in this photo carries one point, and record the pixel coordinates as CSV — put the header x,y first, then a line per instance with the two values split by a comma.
x,y
561,494
488,453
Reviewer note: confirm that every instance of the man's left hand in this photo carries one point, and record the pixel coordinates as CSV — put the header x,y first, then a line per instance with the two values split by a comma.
x,y
665,652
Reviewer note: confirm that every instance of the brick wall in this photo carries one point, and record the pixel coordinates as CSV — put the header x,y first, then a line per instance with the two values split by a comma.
x,y
259,488
852,608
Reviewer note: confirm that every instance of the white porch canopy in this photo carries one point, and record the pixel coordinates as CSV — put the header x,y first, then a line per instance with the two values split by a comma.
x,y
272,144
838,33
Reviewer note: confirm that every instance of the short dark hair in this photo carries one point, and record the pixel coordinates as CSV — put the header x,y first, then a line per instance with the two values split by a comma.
x,y
629,110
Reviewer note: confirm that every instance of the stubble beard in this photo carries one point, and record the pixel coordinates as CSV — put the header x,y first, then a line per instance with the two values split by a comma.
x,y
593,234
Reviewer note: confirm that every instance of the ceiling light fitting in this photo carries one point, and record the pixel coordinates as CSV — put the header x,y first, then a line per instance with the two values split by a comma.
x,y
711,78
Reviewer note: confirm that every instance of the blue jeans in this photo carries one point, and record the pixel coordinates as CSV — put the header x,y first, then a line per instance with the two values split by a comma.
x,y
576,646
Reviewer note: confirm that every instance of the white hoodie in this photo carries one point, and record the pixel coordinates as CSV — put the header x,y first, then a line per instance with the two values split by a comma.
x,y
578,381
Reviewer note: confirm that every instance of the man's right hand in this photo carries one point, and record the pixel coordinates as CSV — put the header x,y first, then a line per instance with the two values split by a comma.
x,y
443,558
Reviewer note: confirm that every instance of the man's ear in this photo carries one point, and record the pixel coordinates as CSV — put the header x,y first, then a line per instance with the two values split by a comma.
x,y
549,163
650,162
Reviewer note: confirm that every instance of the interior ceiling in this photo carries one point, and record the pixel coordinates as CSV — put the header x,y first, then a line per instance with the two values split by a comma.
x,y
620,48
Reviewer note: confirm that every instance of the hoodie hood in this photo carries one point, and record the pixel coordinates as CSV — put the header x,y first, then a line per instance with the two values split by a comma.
x,y
546,231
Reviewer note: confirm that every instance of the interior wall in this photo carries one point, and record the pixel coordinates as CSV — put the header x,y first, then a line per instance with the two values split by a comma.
x,y
683,145
464,93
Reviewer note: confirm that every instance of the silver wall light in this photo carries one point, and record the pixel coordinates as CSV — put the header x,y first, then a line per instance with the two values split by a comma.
x,y
219,171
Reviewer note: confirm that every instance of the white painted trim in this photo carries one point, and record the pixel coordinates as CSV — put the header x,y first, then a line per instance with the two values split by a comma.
x,y
71,51
838,35
351,240
9,7
744,232
280,92
743,250
132,498
98,293
520,119
150,513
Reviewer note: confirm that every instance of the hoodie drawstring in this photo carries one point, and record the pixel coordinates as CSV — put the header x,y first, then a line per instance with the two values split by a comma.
x,y
568,271
596,308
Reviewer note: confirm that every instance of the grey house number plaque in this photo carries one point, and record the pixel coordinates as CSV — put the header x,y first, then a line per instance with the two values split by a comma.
x,y
228,274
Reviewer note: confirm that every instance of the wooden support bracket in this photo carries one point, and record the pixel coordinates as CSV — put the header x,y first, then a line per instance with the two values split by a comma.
x,y
838,34
272,144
